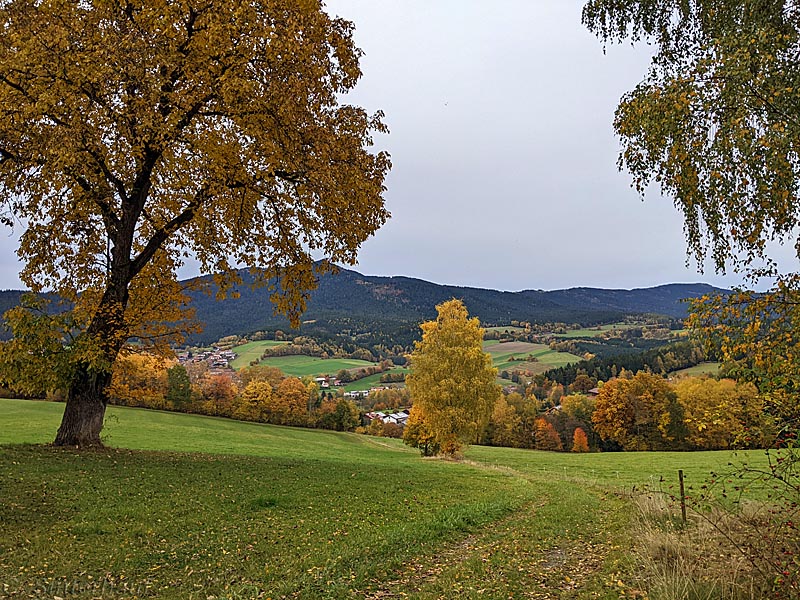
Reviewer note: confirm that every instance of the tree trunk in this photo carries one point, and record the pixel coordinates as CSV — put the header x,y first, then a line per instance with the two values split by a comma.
x,y
87,396
85,410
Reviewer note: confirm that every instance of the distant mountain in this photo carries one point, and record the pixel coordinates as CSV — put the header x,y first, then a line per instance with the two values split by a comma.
x,y
361,304
366,304
667,299
388,309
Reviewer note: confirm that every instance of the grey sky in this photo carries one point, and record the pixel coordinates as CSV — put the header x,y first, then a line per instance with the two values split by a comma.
x,y
504,155
503,149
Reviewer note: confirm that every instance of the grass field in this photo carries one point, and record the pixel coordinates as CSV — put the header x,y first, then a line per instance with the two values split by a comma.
x,y
298,366
706,368
191,507
594,331
546,359
372,381
251,351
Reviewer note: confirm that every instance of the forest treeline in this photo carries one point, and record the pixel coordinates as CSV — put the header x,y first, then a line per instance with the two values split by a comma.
x,y
662,360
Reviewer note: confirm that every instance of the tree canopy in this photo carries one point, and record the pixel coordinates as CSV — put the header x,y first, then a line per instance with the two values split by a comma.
x,y
640,413
136,135
452,381
716,121
716,125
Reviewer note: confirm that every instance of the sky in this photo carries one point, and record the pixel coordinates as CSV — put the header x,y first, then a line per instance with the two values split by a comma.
x,y
504,157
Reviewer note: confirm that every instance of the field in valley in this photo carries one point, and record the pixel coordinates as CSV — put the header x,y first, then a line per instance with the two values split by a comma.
x,y
505,356
705,368
502,354
246,353
182,506
594,331
301,365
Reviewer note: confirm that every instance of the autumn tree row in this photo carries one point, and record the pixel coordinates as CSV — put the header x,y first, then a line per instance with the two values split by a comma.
x,y
635,412
259,394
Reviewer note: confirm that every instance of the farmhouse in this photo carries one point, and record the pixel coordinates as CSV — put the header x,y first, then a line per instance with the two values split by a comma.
x,y
398,418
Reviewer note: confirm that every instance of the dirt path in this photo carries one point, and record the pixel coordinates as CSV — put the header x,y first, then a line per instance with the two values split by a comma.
x,y
553,548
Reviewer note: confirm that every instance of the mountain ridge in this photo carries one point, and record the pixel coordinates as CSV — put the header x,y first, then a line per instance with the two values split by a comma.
x,y
351,300
385,305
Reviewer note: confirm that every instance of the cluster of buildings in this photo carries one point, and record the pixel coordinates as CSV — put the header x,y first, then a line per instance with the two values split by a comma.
x,y
327,381
216,358
398,418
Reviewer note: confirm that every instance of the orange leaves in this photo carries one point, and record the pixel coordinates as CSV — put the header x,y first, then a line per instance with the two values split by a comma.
x,y
640,413
546,437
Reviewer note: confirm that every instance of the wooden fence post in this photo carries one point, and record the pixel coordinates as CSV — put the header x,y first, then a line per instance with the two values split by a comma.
x,y
683,497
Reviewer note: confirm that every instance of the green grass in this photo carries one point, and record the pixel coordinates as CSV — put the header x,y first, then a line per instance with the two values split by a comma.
x,y
545,358
373,381
246,353
594,331
706,368
298,366
182,506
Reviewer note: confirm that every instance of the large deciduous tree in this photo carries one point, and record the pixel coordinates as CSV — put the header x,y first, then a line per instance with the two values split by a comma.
x,y
721,414
716,121
134,135
716,125
452,381
640,413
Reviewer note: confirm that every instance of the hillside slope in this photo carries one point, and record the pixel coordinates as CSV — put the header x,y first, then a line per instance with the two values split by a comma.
x,y
388,309
350,301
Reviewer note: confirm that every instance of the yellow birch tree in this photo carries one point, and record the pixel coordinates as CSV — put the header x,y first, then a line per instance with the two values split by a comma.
x,y
452,381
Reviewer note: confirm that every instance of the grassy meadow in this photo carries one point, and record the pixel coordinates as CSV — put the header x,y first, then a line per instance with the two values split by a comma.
x,y
301,365
596,331
372,381
502,354
705,368
505,355
246,353
181,506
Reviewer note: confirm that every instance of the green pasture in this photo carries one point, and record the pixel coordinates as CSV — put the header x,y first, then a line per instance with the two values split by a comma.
x,y
182,506
246,353
372,381
705,368
298,366
597,331
500,350
546,359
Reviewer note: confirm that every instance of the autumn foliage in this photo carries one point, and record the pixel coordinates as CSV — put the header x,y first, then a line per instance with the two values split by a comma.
x,y
641,413
452,381
580,443
136,134
547,437
257,394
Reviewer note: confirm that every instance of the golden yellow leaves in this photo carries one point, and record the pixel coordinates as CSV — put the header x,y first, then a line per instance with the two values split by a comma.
x,y
145,133
452,381
756,335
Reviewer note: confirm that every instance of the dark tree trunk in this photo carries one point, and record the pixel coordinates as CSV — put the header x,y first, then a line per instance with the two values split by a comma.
x,y
87,396
85,410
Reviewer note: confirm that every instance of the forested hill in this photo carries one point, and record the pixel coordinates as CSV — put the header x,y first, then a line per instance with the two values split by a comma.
x,y
662,300
366,304
390,308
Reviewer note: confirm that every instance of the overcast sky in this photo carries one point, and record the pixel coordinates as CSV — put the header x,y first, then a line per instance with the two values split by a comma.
x,y
503,150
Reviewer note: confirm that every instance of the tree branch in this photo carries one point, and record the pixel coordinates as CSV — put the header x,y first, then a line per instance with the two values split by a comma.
x,y
162,234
